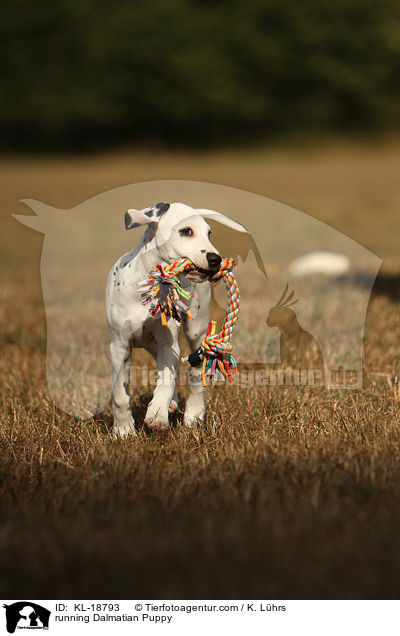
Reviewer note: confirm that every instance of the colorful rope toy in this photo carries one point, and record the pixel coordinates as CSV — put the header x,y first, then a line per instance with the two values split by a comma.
x,y
163,291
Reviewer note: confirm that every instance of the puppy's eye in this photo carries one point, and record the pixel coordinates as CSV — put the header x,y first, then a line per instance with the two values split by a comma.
x,y
186,231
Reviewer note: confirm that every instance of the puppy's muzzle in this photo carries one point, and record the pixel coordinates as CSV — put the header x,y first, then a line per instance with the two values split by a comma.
x,y
214,260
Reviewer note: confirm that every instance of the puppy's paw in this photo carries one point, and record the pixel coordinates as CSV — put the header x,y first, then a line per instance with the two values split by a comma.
x,y
156,418
122,432
194,413
156,424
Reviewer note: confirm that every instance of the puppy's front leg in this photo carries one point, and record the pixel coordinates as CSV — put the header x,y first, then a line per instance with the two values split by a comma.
x,y
167,361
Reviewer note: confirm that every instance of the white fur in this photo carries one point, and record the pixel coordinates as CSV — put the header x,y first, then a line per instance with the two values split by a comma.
x,y
132,325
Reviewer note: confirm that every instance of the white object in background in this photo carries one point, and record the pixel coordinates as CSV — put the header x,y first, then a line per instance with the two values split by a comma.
x,y
325,263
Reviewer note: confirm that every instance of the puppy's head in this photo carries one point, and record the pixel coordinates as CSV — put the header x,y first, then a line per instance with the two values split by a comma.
x,y
182,232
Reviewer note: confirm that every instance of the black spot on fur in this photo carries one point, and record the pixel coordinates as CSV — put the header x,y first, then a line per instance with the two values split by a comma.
x,y
162,208
127,219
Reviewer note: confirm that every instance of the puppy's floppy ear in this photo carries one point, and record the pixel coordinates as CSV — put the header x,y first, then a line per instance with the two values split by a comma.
x,y
221,218
135,218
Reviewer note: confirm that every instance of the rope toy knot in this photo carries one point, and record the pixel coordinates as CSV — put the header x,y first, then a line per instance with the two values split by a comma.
x,y
214,343
162,290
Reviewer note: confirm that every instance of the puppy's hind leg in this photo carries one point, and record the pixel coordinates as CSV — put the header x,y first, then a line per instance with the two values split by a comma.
x,y
174,402
121,400
195,330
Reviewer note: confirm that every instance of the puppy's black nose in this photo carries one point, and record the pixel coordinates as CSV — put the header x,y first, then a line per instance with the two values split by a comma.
x,y
213,260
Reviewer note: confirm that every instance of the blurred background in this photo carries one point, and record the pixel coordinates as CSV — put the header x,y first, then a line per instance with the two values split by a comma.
x,y
89,74
295,101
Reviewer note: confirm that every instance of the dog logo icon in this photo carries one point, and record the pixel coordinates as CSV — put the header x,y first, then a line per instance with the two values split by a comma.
x,y
26,615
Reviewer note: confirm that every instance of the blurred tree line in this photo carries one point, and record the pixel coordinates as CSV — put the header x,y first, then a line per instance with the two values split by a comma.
x,y
78,73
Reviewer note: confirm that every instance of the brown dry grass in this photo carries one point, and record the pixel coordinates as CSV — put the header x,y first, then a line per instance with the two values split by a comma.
x,y
283,493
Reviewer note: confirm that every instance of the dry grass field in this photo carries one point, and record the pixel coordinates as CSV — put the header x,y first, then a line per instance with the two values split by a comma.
x,y
283,493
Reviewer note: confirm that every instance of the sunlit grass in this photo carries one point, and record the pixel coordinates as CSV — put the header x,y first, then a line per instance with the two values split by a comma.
x,y
284,492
